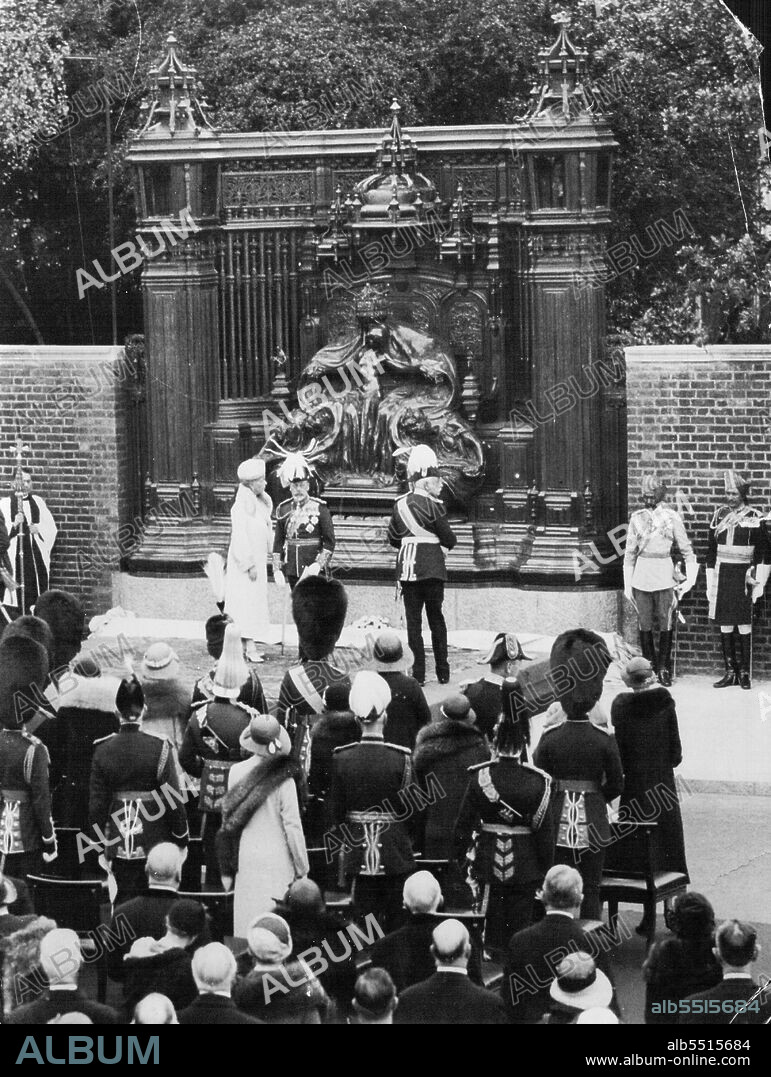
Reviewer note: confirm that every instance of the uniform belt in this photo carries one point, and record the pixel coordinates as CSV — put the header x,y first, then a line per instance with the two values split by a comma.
x,y
735,555
303,542
145,795
570,786
21,795
371,817
646,553
414,539
508,831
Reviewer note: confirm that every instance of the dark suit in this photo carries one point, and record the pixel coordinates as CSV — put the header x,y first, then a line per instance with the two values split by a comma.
x,y
406,955
141,917
733,989
449,998
56,1001
584,762
209,1009
533,956
407,712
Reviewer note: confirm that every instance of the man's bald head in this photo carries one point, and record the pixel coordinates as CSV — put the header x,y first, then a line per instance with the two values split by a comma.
x,y
60,956
214,968
451,943
155,1010
164,865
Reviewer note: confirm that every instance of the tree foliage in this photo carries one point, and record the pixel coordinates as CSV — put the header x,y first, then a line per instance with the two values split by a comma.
x,y
683,103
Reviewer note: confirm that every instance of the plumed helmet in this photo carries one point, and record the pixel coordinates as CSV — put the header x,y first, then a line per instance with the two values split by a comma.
x,y
23,673
653,487
294,467
422,463
319,607
66,618
578,663
735,483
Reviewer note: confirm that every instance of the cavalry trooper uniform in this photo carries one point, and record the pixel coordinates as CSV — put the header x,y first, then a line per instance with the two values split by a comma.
x,y
367,811
132,805
649,579
585,766
419,529
506,827
738,556
26,825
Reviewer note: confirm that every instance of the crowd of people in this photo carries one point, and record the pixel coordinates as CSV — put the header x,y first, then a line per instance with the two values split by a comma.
x,y
388,862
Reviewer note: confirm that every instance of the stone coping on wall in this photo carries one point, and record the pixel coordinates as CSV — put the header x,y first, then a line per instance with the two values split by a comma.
x,y
689,353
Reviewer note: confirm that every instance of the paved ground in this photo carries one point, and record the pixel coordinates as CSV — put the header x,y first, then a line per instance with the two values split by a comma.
x,y
727,760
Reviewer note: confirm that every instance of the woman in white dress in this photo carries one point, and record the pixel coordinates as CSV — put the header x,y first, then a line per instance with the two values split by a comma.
x,y
261,843
251,544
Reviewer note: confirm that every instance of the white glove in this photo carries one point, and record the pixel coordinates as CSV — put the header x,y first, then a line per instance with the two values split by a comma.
x,y
279,578
759,577
628,573
48,857
711,585
691,574
227,883
311,570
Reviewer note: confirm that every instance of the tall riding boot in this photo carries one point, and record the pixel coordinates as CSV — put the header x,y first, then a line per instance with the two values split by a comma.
x,y
648,649
744,670
665,651
731,676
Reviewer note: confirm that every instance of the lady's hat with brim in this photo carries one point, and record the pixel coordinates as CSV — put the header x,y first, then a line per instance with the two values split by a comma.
x,y
232,672
580,984
456,708
390,655
504,646
597,1015
269,939
638,673
264,736
251,470
160,663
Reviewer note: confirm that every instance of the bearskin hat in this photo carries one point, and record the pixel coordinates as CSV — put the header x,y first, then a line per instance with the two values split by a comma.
x,y
67,620
23,673
578,663
34,628
319,607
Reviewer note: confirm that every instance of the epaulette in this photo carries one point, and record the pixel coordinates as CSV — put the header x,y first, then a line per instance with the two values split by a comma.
x,y
481,766
551,728
537,770
101,740
343,747
318,500
398,747
281,504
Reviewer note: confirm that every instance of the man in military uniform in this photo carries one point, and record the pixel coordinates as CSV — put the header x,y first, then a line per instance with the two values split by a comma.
x,y
135,795
368,807
304,539
506,826
583,761
488,694
649,583
27,837
738,565
418,529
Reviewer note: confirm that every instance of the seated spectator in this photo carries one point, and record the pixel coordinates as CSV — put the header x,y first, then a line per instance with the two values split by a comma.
x,y
145,915
61,960
275,987
214,970
408,710
531,952
405,954
737,950
685,963
579,985
167,698
251,692
444,750
152,964
311,925
374,999
23,978
8,922
154,1009
448,997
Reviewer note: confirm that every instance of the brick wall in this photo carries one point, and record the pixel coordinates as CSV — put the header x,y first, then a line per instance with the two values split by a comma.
x,y
692,413
70,402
